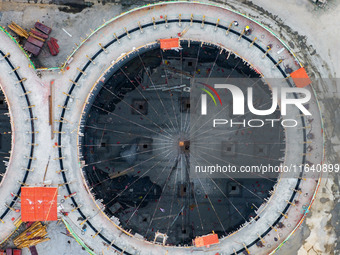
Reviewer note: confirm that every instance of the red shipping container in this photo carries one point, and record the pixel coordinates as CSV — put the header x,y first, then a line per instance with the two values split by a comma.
x,y
35,50
16,252
35,41
45,29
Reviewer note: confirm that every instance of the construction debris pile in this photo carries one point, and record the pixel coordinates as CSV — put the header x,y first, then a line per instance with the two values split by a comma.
x,y
32,236
36,38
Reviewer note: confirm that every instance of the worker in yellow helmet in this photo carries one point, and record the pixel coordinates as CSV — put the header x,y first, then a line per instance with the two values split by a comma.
x,y
247,30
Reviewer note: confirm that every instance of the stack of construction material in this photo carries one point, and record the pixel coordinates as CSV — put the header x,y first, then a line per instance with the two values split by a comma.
x,y
32,236
41,36
53,46
37,38
45,29
18,30
10,251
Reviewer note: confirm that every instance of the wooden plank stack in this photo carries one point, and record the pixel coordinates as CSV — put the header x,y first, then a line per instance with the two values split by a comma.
x,y
35,38
17,223
32,236
18,30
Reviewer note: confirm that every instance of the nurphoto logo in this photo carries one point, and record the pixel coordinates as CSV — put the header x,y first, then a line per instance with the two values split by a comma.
x,y
239,98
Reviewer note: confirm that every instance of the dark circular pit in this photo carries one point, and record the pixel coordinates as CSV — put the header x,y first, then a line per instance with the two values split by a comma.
x,y
141,141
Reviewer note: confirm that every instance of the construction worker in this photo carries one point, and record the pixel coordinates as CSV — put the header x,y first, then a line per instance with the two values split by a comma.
x,y
247,30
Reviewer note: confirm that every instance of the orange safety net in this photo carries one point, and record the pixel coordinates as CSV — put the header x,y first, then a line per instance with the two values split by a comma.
x,y
39,204
168,44
300,78
206,240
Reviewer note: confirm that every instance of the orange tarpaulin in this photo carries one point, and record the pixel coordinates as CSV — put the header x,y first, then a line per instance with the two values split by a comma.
x,y
206,240
39,204
168,44
300,78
